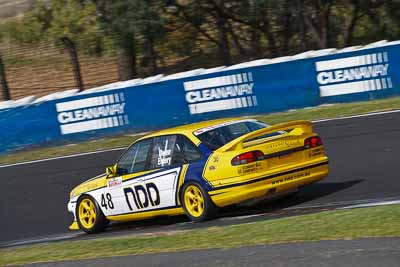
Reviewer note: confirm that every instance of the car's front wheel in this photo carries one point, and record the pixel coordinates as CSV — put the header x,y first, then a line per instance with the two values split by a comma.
x,y
197,203
89,215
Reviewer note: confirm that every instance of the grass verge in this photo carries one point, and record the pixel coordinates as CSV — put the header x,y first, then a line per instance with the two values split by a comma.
x,y
381,221
322,112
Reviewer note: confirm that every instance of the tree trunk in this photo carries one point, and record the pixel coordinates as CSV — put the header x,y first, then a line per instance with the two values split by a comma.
x,y
127,66
320,27
152,56
256,44
236,42
223,45
287,32
325,25
300,18
348,35
272,45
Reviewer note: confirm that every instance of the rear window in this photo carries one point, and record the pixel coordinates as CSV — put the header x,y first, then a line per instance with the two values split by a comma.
x,y
220,136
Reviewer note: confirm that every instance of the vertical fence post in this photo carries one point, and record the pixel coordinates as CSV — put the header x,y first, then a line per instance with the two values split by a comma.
x,y
74,60
3,79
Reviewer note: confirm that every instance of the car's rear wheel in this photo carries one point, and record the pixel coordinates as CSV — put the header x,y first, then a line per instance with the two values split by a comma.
x,y
89,215
197,203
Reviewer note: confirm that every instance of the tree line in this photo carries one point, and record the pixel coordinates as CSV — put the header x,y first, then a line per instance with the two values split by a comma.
x,y
148,34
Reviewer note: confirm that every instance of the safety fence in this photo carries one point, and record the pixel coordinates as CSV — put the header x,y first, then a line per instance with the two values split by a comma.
x,y
262,86
46,68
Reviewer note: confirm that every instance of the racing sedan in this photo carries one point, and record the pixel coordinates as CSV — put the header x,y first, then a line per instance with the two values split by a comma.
x,y
196,169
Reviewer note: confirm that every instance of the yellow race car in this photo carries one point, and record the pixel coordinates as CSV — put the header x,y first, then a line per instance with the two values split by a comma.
x,y
196,168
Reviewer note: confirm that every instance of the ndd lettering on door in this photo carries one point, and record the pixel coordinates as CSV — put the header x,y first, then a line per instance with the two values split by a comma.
x,y
142,196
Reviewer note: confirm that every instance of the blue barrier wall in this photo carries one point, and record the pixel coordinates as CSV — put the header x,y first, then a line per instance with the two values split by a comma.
x,y
342,77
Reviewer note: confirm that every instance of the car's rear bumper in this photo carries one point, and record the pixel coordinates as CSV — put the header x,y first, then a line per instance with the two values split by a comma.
x,y
277,182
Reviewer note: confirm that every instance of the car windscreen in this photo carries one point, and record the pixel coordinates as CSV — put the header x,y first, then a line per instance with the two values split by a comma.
x,y
220,136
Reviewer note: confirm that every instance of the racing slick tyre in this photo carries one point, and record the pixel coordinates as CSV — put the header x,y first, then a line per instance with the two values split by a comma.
x,y
89,215
197,203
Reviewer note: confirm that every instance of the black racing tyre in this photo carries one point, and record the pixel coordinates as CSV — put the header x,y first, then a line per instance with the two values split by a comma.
x,y
196,203
89,215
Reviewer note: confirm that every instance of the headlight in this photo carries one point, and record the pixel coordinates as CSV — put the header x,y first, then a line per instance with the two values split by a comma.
x,y
72,195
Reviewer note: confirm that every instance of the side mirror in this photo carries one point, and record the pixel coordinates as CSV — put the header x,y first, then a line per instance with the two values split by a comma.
x,y
111,171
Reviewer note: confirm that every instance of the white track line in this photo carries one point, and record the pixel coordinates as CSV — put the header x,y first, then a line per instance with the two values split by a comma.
x,y
39,240
122,148
62,157
358,116
348,203
373,204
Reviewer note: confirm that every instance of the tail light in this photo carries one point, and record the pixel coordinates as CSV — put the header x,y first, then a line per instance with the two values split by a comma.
x,y
313,142
247,157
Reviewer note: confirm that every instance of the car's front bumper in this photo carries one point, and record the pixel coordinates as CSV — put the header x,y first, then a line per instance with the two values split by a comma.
x,y
71,206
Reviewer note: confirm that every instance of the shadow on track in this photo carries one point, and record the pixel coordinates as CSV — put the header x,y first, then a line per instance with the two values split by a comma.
x,y
233,214
307,194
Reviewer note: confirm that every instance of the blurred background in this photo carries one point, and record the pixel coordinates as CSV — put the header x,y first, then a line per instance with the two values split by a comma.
x,y
44,43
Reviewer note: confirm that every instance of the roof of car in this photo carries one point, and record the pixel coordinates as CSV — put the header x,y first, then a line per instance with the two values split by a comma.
x,y
190,128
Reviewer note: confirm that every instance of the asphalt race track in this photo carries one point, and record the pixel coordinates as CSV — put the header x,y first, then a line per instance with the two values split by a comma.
x,y
364,158
370,252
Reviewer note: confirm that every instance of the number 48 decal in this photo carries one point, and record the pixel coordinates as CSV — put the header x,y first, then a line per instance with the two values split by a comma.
x,y
106,202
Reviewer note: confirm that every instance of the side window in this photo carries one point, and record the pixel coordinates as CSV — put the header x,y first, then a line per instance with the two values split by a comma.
x,y
238,129
187,149
135,159
256,125
215,138
173,150
163,149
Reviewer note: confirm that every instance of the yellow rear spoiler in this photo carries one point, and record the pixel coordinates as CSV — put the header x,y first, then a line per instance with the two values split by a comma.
x,y
295,128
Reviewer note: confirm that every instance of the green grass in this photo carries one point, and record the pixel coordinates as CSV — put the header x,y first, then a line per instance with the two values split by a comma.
x,y
333,111
381,221
124,140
